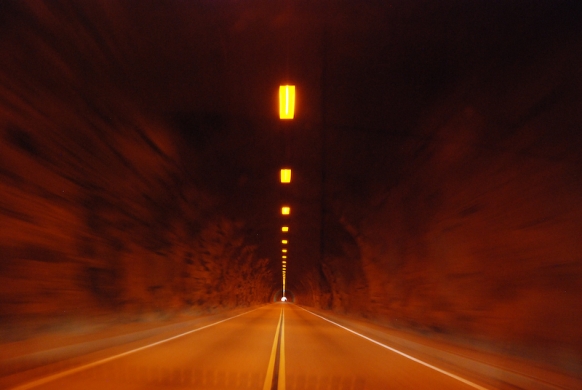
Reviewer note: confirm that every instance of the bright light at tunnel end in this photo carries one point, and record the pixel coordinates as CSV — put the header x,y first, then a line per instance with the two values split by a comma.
x,y
284,299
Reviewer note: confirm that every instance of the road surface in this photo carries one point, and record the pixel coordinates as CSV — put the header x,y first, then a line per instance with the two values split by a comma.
x,y
278,346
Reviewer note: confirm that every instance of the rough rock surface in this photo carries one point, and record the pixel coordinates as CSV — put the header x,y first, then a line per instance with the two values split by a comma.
x,y
99,209
452,194
471,227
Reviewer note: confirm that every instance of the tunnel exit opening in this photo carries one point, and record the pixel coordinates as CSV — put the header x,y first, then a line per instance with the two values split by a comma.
x,y
278,294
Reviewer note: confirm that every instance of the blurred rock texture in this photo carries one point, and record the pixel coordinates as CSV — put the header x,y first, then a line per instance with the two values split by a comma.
x,y
457,213
99,212
471,226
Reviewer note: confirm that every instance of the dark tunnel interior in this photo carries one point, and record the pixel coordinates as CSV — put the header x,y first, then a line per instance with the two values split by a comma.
x,y
436,156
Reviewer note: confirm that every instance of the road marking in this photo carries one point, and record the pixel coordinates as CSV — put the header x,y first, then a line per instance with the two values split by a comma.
x,y
62,374
281,381
271,366
276,365
465,381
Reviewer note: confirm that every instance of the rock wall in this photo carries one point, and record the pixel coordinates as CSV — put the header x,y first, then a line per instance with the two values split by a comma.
x,y
100,211
470,225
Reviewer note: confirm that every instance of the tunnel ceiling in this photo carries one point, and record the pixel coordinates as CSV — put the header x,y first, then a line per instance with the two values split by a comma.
x,y
368,71
370,77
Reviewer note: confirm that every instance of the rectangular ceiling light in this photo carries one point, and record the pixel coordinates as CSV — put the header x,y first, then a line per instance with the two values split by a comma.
x,y
284,241
286,101
285,229
285,210
285,175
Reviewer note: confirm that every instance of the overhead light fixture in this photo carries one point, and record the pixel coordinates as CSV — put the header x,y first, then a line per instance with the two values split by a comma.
x,y
285,229
286,101
285,210
284,241
285,175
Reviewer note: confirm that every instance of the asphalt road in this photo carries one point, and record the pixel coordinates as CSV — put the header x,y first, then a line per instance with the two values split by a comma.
x,y
279,346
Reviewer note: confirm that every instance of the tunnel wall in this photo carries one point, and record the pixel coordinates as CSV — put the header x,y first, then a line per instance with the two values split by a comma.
x,y
97,218
481,239
478,236
99,211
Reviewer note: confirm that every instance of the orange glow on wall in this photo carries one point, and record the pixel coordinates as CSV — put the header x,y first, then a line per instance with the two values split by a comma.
x,y
285,175
285,229
286,101
285,210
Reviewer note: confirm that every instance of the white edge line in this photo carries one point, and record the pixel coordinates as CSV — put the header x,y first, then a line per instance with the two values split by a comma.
x,y
53,377
465,381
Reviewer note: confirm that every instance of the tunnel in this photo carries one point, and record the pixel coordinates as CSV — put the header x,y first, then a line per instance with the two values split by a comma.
x,y
435,195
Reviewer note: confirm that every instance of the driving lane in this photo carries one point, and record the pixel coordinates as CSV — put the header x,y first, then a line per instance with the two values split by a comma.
x,y
229,355
279,346
323,355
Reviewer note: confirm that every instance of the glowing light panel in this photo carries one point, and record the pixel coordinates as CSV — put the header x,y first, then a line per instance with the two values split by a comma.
x,y
284,241
286,101
285,175
285,210
285,229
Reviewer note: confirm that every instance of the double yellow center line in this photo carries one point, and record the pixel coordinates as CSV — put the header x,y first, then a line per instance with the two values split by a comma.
x,y
275,379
